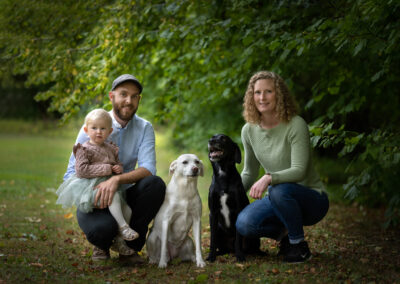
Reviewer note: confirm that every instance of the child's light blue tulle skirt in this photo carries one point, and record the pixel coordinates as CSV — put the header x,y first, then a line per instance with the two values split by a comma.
x,y
79,192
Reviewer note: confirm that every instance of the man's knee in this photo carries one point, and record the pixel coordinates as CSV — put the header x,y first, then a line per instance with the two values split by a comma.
x,y
100,228
101,237
158,188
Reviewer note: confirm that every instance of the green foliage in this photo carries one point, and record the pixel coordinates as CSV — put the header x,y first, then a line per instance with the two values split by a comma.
x,y
340,59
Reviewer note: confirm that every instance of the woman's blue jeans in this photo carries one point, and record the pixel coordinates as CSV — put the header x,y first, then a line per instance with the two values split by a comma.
x,y
287,206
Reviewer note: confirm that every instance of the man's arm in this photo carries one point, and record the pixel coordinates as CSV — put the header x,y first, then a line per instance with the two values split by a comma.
x,y
107,189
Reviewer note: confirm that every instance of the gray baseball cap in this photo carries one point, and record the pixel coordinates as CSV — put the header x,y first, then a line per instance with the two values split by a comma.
x,y
124,78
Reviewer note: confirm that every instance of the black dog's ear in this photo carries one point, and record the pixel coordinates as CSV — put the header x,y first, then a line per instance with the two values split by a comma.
x,y
238,154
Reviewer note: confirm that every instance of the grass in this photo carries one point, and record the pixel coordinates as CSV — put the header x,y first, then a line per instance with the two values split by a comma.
x,y
40,242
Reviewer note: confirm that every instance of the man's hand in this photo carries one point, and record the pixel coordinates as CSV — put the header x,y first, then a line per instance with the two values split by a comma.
x,y
117,169
106,191
260,186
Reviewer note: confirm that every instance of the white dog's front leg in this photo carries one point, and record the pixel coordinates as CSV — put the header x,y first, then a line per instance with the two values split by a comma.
x,y
197,239
164,238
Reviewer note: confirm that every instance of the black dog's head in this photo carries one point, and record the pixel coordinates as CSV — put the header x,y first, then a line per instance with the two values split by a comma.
x,y
222,148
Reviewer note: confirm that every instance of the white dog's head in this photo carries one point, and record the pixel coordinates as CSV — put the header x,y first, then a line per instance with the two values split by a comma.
x,y
188,165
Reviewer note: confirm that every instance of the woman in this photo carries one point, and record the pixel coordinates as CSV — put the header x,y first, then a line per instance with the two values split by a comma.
x,y
278,140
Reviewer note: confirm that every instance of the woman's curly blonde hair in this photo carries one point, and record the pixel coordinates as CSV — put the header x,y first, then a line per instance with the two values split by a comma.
x,y
286,106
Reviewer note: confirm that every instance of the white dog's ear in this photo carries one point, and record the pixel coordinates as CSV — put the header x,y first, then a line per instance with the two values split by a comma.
x,y
172,167
201,169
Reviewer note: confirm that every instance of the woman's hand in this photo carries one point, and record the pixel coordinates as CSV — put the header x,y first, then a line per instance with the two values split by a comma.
x,y
106,191
260,186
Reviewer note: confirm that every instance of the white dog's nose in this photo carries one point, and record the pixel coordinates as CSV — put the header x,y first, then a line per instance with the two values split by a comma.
x,y
195,170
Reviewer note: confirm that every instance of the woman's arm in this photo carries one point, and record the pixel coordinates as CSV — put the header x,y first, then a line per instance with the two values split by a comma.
x,y
251,164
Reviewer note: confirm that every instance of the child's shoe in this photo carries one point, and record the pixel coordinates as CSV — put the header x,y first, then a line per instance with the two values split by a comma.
x,y
128,233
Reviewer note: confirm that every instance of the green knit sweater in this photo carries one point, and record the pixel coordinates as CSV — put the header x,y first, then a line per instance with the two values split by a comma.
x,y
283,151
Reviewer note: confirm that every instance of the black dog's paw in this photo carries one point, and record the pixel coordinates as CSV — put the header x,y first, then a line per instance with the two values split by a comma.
x,y
260,253
211,257
240,257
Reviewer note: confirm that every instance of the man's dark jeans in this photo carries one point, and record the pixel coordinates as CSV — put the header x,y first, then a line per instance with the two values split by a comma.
x,y
144,198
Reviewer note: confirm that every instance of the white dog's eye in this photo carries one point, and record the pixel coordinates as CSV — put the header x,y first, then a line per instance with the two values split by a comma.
x,y
185,162
197,162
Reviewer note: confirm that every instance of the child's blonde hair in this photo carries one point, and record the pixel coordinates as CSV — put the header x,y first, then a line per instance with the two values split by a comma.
x,y
98,113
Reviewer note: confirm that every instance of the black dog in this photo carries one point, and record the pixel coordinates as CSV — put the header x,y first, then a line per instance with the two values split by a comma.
x,y
226,199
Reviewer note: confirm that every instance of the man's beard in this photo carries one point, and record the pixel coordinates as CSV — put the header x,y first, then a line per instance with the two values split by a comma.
x,y
122,117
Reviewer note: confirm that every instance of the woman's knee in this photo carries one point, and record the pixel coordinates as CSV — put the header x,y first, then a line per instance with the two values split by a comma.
x,y
279,192
243,225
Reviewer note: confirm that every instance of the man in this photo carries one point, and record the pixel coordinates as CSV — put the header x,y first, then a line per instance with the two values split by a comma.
x,y
145,192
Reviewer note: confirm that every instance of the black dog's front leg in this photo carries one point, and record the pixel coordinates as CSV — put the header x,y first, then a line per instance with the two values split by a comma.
x,y
238,248
213,238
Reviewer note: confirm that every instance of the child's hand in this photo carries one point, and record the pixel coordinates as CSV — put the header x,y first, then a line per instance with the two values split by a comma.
x,y
117,169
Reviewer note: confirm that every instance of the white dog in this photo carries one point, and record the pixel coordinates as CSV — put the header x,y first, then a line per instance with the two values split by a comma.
x,y
181,209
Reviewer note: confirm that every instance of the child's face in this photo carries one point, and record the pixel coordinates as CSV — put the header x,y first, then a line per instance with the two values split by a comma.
x,y
98,130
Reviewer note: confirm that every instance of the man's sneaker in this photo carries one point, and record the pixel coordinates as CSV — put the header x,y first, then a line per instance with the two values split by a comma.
x,y
99,254
297,253
283,246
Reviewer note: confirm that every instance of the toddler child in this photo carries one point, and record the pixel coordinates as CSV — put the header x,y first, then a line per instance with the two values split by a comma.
x,y
96,161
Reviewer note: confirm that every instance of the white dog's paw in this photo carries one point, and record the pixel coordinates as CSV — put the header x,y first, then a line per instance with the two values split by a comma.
x,y
162,264
152,261
200,263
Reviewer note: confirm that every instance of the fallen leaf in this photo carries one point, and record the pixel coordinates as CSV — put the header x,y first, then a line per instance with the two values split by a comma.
x,y
33,219
275,271
68,216
241,266
68,240
70,232
36,264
